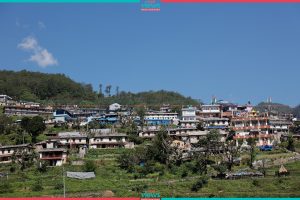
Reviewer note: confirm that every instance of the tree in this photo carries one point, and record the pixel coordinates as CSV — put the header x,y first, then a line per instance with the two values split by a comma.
x,y
107,90
200,126
34,126
252,143
231,152
100,89
117,91
24,159
290,145
160,150
207,146
141,113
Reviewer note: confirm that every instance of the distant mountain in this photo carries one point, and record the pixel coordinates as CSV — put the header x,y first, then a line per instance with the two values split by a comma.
x,y
275,107
60,89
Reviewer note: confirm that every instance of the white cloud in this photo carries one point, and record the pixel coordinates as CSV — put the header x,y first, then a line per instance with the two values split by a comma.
x,y
29,43
41,25
41,56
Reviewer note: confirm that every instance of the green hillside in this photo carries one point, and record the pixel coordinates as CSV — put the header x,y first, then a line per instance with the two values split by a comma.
x,y
60,89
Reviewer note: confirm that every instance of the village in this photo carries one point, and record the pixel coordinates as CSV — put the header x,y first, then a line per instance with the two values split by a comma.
x,y
76,131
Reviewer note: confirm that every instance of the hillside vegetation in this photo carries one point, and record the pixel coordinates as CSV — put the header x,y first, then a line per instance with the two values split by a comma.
x,y
277,107
60,89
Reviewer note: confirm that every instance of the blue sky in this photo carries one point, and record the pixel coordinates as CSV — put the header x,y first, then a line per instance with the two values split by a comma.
x,y
237,52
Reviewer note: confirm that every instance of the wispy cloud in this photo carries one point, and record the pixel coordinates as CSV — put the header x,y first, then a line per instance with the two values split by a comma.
x,y
21,25
41,25
41,56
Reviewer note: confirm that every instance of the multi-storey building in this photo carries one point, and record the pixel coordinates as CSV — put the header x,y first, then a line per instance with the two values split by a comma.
x,y
215,123
50,151
160,118
188,117
210,110
23,110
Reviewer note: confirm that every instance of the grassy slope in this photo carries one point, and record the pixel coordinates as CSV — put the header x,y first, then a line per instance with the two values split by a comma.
x,y
110,177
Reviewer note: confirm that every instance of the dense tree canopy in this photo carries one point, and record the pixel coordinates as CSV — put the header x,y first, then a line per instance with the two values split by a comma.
x,y
60,89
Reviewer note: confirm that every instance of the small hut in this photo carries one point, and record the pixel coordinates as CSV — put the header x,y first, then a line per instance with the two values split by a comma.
x,y
282,171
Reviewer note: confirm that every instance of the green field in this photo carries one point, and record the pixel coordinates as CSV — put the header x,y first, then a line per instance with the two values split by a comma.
x,y
110,177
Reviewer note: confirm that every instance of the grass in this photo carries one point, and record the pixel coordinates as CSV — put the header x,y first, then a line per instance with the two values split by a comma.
x,y
110,177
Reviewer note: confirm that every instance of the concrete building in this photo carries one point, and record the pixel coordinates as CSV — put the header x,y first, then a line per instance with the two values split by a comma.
x,y
114,107
23,110
55,156
111,140
210,110
188,117
160,118
215,123
5,100
7,152
49,151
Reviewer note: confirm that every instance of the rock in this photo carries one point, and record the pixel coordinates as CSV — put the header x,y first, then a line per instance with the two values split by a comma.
x,y
108,193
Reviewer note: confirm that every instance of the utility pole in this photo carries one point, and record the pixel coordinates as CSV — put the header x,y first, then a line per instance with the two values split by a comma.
x,y
64,182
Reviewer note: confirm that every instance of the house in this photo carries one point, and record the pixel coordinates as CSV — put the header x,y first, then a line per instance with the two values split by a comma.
x,y
190,135
215,123
114,107
50,151
110,140
210,110
7,152
252,126
165,108
73,140
160,118
54,156
5,100
22,110
188,117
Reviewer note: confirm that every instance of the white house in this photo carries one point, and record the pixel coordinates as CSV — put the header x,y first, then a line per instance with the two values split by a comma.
x,y
114,107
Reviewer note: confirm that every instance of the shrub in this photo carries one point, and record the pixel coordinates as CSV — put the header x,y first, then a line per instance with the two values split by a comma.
x,y
42,166
199,184
59,186
12,168
184,174
139,188
5,187
255,182
37,186
89,166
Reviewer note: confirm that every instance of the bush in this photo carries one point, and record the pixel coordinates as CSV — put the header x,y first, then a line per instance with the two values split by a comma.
x,y
42,166
12,168
199,184
184,174
89,166
139,188
255,182
59,186
37,186
5,187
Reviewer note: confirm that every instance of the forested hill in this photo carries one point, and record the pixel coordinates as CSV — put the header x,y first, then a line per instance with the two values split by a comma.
x,y
36,86
60,89
277,107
